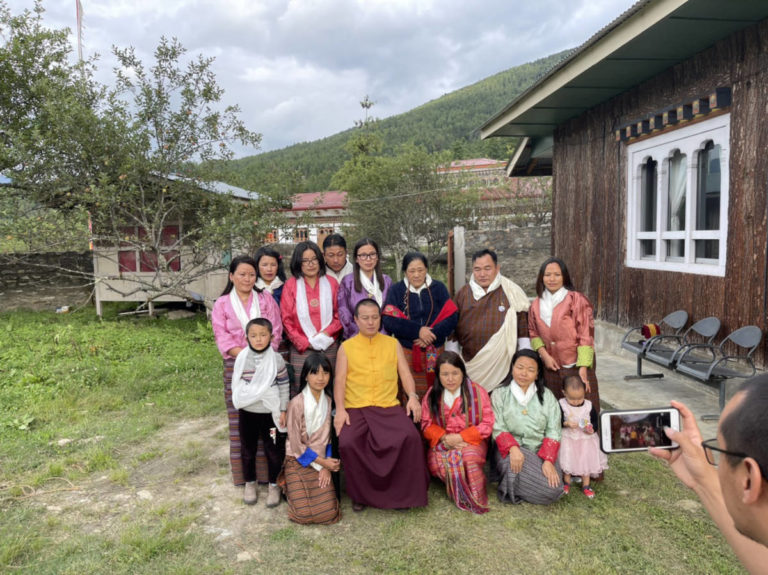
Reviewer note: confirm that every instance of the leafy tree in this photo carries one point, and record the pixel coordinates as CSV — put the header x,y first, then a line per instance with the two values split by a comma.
x,y
140,157
401,201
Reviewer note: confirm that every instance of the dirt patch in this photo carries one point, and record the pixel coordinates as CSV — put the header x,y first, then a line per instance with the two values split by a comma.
x,y
185,465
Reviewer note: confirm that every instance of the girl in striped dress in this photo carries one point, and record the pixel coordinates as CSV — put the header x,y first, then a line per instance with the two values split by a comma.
x,y
306,479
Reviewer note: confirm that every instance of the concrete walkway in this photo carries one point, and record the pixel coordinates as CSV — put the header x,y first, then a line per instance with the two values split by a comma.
x,y
701,399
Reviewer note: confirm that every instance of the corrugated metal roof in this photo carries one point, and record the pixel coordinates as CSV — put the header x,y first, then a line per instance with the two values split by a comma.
x,y
218,187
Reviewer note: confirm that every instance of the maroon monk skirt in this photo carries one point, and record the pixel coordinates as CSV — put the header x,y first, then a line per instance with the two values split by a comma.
x,y
382,455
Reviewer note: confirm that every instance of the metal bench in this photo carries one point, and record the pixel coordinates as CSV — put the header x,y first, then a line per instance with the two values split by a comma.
x,y
712,363
635,343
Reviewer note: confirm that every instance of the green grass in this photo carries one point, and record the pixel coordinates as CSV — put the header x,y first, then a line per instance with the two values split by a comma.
x,y
98,384
85,408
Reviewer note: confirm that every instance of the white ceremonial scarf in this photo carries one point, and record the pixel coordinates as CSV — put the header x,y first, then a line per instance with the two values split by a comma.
x,y
317,340
237,305
410,288
449,397
372,288
479,292
259,388
314,412
276,283
491,364
548,302
343,272
522,397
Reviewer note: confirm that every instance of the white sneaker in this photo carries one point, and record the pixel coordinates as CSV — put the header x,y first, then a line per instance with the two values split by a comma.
x,y
250,493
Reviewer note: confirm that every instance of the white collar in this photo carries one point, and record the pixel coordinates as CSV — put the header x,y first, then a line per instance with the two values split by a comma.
x,y
270,287
478,292
342,273
372,287
549,301
449,397
522,397
410,288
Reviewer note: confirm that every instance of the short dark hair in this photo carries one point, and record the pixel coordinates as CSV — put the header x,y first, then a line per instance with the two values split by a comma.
x,y
567,284
262,321
410,257
233,265
298,253
746,427
571,381
270,253
366,301
334,240
485,252
356,267
312,364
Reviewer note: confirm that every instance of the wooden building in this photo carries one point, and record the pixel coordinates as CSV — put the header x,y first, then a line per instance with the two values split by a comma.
x,y
656,132
313,216
121,272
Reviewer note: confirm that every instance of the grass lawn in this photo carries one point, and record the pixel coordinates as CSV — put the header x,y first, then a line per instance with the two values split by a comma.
x,y
114,459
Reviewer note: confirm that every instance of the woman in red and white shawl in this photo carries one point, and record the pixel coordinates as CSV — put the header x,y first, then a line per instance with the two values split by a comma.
x,y
239,303
456,420
420,313
308,308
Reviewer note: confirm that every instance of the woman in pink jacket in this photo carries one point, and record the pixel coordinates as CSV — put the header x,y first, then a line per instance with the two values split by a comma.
x,y
238,304
562,330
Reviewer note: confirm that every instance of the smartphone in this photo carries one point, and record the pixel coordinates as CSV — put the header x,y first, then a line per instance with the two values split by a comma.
x,y
638,429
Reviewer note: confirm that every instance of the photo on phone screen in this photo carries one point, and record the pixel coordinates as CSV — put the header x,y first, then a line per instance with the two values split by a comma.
x,y
637,430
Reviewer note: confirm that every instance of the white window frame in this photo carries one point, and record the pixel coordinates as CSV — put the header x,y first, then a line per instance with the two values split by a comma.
x,y
690,140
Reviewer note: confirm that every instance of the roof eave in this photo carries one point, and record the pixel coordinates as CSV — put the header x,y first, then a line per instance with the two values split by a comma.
x,y
593,51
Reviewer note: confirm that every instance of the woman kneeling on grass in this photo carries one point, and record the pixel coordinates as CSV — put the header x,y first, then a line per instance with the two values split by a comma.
x,y
457,419
306,477
527,431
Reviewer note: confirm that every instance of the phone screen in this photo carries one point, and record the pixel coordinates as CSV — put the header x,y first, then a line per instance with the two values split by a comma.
x,y
639,430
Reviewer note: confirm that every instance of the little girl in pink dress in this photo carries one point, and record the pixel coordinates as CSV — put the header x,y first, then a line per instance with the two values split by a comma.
x,y
580,452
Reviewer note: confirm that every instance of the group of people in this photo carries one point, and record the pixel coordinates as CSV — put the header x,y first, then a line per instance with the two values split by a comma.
x,y
339,367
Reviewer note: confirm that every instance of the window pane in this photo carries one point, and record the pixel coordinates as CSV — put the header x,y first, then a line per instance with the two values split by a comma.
x,y
676,196
708,193
708,249
647,248
675,249
126,260
648,195
148,262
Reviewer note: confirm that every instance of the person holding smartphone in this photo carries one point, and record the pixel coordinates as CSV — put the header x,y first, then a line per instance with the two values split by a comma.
x,y
729,473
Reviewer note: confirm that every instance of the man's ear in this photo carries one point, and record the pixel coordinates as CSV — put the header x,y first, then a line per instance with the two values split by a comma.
x,y
752,481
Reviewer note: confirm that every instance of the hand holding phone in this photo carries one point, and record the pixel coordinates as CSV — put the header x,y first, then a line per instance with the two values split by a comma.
x,y
637,430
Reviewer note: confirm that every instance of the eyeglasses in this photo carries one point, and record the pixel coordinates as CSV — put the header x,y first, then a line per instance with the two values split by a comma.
x,y
712,453
372,256
310,261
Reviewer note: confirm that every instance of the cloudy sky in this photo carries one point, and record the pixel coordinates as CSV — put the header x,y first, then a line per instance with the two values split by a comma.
x,y
298,68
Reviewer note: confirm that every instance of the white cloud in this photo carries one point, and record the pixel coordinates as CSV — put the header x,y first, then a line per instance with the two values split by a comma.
x,y
298,68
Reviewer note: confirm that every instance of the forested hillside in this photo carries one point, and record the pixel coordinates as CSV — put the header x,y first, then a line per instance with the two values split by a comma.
x,y
450,122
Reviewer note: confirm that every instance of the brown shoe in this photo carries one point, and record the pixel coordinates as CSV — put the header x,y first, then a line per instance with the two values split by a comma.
x,y
273,496
250,493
